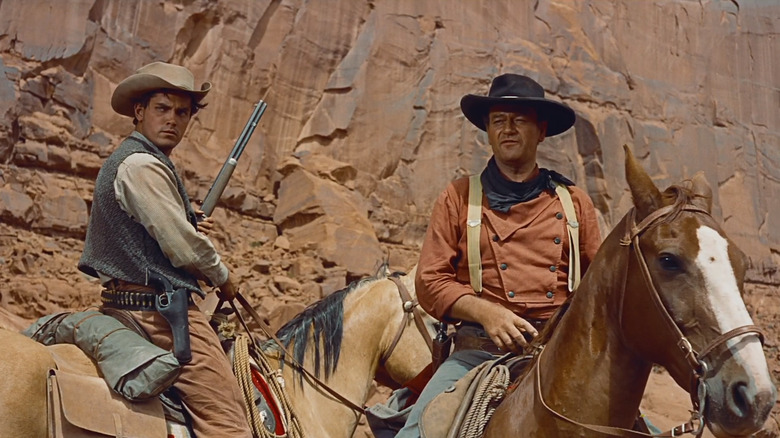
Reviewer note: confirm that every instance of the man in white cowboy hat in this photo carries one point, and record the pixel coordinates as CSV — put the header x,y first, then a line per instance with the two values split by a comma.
x,y
142,223
522,242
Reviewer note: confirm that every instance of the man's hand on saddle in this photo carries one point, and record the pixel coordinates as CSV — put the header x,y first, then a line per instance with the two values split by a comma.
x,y
507,330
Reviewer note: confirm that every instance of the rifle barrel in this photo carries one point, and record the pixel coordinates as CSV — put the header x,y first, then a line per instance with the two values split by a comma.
x,y
219,185
249,128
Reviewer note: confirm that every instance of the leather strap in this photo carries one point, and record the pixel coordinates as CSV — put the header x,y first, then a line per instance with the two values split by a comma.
x,y
137,301
573,227
410,305
473,226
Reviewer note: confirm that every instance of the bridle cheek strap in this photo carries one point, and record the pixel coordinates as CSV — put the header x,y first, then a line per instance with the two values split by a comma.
x,y
694,359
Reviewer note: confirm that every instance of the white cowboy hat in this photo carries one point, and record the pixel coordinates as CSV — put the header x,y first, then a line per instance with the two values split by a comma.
x,y
513,89
154,76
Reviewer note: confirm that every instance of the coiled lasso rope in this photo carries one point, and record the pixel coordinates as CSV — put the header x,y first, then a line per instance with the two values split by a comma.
x,y
490,392
242,370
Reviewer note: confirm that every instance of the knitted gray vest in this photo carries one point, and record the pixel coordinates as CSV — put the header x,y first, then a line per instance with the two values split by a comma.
x,y
117,245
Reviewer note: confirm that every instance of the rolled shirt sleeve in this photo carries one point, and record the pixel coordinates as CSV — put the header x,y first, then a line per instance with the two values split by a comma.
x,y
146,189
436,283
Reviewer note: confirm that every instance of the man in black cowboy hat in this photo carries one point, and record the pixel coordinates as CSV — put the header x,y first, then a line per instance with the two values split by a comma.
x,y
142,223
503,282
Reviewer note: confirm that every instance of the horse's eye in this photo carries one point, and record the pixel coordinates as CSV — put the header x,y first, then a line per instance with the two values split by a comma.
x,y
669,262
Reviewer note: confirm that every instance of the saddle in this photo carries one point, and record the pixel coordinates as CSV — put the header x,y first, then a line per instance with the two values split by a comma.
x,y
465,408
82,405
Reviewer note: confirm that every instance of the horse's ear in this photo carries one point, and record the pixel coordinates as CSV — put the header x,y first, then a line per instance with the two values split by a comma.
x,y
702,192
647,197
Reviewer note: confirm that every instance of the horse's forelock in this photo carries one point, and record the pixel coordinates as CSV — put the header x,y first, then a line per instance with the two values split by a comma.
x,y
680,195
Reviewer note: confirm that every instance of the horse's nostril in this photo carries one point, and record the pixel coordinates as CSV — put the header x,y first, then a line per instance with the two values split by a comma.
x,y
740,400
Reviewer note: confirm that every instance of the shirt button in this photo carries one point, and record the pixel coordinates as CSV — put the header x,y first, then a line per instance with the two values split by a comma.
x,y
557,240
550,294
511,294
559,215
495,238
552,268
503,266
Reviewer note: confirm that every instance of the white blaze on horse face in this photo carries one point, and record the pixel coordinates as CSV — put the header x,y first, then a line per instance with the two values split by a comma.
x,y
723,294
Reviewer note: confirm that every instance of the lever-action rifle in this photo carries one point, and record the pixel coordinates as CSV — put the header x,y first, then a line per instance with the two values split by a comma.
x,y
230,164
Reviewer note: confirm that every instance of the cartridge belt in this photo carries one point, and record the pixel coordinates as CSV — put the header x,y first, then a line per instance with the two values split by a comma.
x,y
132,300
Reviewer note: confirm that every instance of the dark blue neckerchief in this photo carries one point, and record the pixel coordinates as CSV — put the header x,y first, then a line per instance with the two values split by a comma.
x,y
502,193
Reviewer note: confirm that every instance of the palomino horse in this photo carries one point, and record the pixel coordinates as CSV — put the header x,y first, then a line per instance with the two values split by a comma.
x,y
361,324
665,287
375,332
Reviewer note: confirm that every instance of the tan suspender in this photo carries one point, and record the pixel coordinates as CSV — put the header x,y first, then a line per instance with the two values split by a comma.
x,y
574,235
474,222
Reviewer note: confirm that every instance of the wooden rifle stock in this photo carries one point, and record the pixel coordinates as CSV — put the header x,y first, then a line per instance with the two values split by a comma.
x,y
216,190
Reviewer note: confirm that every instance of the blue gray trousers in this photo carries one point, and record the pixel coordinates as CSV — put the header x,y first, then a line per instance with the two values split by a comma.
x,y
455,367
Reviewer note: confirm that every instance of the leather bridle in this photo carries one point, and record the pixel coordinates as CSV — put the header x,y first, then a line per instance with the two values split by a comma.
x,y
694,359
411,309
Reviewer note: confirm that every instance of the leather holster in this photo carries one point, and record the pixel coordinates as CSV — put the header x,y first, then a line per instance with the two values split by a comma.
x,y
173,306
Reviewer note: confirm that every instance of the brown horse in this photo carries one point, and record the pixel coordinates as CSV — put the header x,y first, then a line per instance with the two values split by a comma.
x,y
665,287
353,332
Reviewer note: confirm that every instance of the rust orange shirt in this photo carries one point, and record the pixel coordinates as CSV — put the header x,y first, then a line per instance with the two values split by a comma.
x,y
525,252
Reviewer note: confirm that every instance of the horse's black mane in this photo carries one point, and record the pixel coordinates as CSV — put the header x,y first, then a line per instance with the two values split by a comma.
x,y
324,321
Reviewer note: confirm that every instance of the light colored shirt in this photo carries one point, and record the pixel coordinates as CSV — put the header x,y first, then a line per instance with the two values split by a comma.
x,y
145,189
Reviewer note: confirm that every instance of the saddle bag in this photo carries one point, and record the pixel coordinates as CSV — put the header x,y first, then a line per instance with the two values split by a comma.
x,y
82,406
132,366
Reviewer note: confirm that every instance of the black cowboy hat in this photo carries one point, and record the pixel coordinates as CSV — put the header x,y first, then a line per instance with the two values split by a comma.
x,y
513,89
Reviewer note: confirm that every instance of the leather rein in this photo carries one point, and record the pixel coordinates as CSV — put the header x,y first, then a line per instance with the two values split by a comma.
x,y
694,359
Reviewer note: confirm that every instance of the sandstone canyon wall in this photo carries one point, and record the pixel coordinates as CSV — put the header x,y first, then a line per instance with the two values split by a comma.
x,y
363,127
